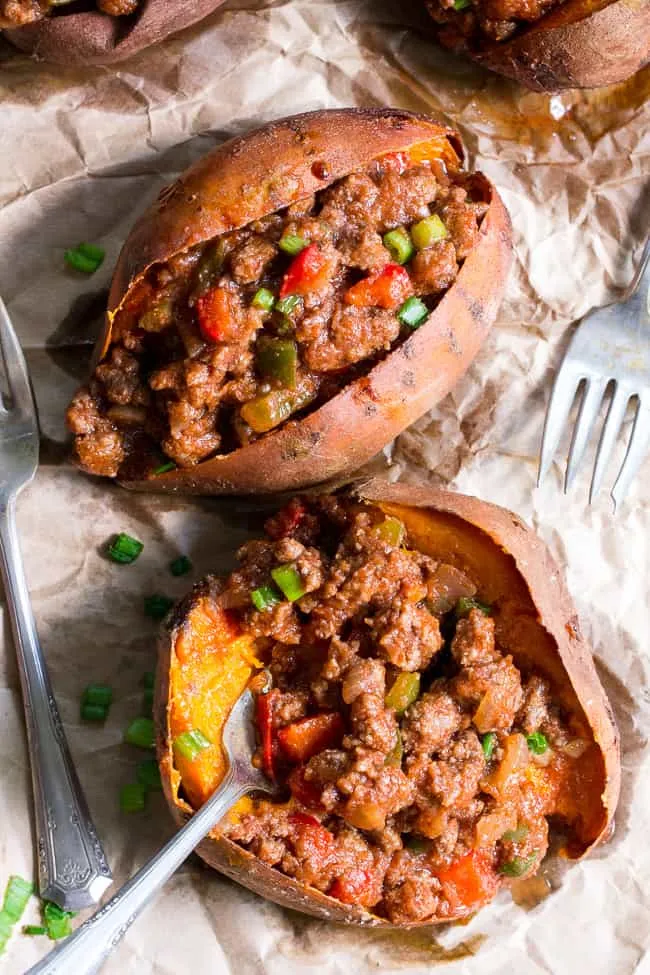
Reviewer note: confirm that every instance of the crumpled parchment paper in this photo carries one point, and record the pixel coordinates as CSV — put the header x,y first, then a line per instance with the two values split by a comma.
x,y
82,153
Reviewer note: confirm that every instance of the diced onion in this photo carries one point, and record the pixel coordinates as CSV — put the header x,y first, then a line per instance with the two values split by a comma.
x,y
516,757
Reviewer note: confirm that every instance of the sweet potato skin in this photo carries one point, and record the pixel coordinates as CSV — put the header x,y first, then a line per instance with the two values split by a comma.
x,y
520,552
262,172
580,44
94,38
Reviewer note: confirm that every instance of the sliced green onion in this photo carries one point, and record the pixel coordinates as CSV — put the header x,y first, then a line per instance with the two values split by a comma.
x,y
292,244
99,694
148,775
467,603
147,702
133,797
288,580
34,929
488,743
413,312
17,893
404,691
264,299
93,712
399,244
57,921
518,866
149,679
396,753
391,531
537,743
141,733
516,835
157,606
169,465
180,566
6,928
190,744
462,4
289,304
264,598
124,548
428,231
417,844
84,257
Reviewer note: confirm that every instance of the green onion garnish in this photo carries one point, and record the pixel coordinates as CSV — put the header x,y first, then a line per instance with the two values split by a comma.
x,y
149,679
157,606
467,603
141,733
34,929
6,928
516,835
518,866
537,743
428,231
98,694
264,598
169,465
292,244
17,893
180,566
399,244
190,744
488,742
124,548
288,304
133,797
57,921
413,312
148,775
93,712
84,257
264,299
147,702
287,579
462,4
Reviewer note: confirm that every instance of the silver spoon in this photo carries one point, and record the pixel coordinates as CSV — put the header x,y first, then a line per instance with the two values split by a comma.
x,y
86,950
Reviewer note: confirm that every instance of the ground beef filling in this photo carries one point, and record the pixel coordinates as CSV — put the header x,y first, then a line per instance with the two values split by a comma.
x,y
17,13
480,20
421,764
229,340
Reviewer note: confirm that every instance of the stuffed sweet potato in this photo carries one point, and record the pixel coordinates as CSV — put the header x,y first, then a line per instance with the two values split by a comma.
x,y
549,45
96,31
427,705
291,304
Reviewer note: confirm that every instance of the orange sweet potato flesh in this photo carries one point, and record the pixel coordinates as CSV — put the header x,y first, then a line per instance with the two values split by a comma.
x,y
262,172
579,44
535,620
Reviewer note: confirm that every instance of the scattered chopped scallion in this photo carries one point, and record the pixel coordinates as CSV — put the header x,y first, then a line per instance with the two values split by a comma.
x,y
147,702
518,866
537,743
516,835
467,603
398,243
265,598
288,304
149,679
288,580
180,566
413,312
93,712
124,548
133,797
169,465
17,893
191,743
141,733
428,231
462,4
34,929
157,606
148,775
264,299
84,257
292,244
98,694
488,743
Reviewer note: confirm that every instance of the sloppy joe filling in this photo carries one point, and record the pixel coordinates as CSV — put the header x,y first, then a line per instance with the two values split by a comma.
x,y
229,340
420,764
491,20
17,13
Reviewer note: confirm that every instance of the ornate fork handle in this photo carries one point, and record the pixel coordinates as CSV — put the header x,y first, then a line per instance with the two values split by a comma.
x,y
72,866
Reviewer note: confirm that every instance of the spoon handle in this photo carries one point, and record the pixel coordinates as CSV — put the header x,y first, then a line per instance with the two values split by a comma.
x,y
84,952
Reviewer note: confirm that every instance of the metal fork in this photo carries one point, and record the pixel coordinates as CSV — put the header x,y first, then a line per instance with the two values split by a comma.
x,y
610,347
72,867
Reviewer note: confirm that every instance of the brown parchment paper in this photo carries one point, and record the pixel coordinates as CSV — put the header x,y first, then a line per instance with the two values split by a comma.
x,y
82,153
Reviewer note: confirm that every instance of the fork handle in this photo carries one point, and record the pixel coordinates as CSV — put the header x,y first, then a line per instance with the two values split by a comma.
x,y
72,867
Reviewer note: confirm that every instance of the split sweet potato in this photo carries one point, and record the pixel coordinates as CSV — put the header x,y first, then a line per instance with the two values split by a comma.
x,y
208,656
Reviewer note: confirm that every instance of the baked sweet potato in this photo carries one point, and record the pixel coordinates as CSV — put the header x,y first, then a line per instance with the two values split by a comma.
x,y
290,304
429,708
77,34
549,45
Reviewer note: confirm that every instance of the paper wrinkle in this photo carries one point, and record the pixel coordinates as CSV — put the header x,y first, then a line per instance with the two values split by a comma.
x,y
84,151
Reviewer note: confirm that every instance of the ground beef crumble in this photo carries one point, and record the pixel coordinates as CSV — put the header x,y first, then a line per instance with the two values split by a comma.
x,y
420,765
229,340
476,21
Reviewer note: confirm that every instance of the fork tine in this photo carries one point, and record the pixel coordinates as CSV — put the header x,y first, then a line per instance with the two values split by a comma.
x,y
636,451
592,397
608,437
15,365
564,390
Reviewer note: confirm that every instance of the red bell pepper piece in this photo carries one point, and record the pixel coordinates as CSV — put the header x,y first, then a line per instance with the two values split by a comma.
x,y
313,840
302,739
355,887
286,520
305,273
305,792
264,714
213,312
470,880
387,288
